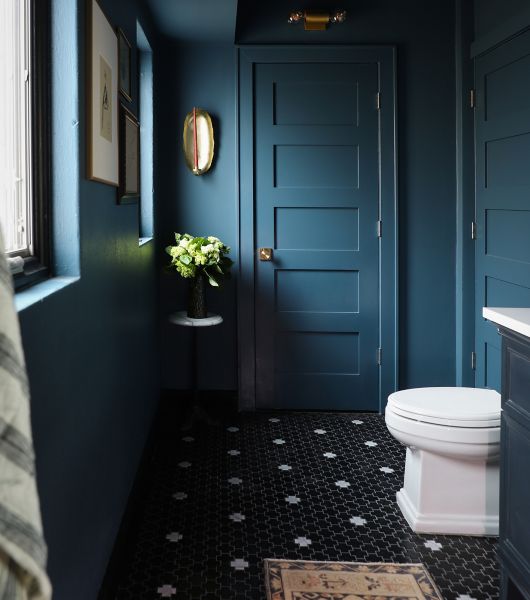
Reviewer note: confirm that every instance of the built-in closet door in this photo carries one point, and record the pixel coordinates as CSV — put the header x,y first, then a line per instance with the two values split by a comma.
x,y
502,130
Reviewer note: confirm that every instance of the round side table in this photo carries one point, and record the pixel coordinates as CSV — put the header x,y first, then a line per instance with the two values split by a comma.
x,y
181,318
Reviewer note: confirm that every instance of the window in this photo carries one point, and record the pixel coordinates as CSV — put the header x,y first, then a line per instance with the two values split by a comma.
x,y
145,61
24,156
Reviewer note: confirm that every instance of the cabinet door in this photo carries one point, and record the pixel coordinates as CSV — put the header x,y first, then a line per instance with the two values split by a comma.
x,y
514,543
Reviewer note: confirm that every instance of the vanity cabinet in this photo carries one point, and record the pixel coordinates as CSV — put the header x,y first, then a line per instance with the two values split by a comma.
x,y
514,517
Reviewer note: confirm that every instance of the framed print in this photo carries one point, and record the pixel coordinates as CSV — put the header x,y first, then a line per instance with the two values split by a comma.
x,y
129,188
102,97
124,60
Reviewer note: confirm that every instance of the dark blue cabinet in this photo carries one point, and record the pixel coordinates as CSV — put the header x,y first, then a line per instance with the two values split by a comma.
x,y
514,539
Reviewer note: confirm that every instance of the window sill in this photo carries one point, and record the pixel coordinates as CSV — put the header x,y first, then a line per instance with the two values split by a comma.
x,y
145,240
39,292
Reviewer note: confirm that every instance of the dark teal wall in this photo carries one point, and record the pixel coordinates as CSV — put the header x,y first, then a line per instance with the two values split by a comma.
x,y
201,75
465,196
496,21
425,39
204,75
91,348
490,14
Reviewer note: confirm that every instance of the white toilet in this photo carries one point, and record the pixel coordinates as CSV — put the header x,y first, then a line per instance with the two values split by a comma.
x,y
452,437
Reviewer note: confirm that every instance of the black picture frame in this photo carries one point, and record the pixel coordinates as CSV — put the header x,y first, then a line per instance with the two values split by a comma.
x,y
124,65
129,181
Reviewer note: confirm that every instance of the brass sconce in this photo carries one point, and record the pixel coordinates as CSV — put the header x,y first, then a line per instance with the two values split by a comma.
x,y
316,21
198,141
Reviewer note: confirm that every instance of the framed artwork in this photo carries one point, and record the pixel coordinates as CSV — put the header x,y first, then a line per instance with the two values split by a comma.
x,y
124,60
129,188
102,97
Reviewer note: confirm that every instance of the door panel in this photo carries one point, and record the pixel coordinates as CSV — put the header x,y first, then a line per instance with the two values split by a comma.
x,y
316,151
502,129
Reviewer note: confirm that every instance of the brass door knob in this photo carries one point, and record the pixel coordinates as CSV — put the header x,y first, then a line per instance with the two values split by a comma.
x,y
265,253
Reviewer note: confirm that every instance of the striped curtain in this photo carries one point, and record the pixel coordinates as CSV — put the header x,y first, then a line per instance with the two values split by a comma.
x,y
22,547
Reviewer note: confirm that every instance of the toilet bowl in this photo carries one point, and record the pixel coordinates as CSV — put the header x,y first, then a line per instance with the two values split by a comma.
x,y
452,435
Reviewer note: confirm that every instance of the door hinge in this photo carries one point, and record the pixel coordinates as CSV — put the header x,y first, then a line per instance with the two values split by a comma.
x,y
379,357
378,101
474,360
472,98
379,229
473,230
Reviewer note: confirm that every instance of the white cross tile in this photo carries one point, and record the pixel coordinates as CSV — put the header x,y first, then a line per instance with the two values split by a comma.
x,y
358,521
235,480
320,431
234,452
342,484
166,591
370,443
285,467
180,496
386,470
188,438
278,441
274,420
184,464
303,542
292,499
357,422
433,545
239,564
237,517
232,429
329,455
174,536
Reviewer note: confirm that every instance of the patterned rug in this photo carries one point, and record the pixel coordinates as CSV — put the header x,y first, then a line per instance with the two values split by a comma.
x,y
311,580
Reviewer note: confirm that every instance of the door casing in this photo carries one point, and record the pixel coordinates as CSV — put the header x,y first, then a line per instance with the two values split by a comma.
x,y
385,59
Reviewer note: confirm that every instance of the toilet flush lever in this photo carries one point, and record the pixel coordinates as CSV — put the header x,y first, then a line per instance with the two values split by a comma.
x,y
265,254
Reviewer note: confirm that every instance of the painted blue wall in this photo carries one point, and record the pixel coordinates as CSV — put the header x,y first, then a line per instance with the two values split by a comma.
x,y
201,75
91,348
425,40
489,14
204,75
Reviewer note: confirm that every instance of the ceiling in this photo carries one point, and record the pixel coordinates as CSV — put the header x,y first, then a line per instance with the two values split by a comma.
x,y
196,20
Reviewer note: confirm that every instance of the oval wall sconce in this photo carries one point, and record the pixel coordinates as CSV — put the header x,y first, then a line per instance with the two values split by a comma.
x,y
198,141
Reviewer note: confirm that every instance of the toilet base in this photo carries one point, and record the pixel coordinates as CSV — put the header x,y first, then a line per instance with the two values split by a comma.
x,y
450,496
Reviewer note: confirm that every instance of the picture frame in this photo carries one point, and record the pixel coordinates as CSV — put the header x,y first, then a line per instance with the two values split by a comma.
x,y
124,63
129,185
102,97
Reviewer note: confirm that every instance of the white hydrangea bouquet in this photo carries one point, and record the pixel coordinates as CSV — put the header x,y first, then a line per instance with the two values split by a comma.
x,y
197,259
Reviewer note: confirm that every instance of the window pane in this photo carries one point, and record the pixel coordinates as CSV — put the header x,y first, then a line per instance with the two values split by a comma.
x,y
15,171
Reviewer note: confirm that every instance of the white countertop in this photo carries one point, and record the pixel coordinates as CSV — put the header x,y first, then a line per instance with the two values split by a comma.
x,y
517,319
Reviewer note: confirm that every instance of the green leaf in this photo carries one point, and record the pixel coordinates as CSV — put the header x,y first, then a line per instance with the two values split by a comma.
x,y
211,280
185,259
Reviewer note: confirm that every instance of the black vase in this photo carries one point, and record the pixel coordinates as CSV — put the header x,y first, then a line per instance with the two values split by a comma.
x,y
197,298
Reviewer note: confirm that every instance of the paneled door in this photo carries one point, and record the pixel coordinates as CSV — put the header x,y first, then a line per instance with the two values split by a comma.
x,y
316,221
502,255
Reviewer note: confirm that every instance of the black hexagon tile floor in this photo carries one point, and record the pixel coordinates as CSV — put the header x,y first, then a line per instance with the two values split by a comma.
x,y
311,486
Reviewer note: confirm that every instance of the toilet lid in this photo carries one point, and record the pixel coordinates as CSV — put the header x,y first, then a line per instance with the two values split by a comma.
x,y
451,406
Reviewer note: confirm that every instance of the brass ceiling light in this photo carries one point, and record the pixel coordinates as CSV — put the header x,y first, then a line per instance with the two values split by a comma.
x,y
316,20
